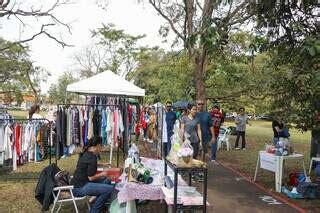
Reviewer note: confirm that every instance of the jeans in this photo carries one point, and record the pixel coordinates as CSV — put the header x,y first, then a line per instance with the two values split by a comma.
x,y
243,135
101,189
214,150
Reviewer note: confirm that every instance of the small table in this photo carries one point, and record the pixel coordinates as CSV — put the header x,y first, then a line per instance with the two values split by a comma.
x,y
190,171
274,164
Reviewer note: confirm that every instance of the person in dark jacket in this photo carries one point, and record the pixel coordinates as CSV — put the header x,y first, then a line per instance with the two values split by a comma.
x,y
45,185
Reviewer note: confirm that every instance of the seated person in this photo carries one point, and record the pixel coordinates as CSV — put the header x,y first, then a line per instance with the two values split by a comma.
x,y
86,181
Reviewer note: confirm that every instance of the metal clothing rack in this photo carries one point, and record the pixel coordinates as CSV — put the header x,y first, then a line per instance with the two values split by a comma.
x,y
97,105
30,120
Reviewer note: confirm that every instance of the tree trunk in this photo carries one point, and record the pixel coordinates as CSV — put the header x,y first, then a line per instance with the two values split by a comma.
x,y
199,74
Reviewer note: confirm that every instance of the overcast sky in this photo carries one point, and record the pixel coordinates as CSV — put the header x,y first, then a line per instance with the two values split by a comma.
x,y
84,15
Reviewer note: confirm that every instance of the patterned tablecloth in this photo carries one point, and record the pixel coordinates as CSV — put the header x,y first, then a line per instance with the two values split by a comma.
x,y
131,191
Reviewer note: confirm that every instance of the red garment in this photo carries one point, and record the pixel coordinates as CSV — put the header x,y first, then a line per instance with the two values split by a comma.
x,y
17,131
143,123
129,114
216,117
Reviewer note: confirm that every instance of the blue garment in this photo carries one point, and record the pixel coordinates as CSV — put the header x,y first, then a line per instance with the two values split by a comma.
x,y
213,151
101,189
206,124
170,120
103,127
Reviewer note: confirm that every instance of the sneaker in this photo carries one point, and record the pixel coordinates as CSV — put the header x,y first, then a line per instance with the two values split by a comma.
x,y
243,148
237,148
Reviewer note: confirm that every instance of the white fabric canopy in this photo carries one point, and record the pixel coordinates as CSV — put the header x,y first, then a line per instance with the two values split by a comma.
x,y
107,83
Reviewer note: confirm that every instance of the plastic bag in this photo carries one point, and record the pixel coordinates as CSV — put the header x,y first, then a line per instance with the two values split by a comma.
x,y
185,153
175,144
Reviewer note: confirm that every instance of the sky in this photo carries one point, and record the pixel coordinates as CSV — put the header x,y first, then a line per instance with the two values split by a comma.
x,y
83,15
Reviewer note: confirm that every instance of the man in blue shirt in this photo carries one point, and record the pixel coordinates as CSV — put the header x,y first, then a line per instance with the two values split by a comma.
x,y
206,128
170,120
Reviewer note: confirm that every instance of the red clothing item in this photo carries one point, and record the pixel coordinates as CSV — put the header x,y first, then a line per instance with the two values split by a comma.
x,y
216,117
17,139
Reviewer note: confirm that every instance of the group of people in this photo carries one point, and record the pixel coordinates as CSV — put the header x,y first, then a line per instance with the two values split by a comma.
x,y
197,125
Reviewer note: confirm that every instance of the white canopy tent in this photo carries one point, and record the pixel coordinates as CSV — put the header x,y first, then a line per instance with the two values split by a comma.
x,y
106,83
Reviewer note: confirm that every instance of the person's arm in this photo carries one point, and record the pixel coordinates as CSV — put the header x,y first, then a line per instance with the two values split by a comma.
x,y
213,138
182,127
210,125
236,120
97,176
92,170
199,134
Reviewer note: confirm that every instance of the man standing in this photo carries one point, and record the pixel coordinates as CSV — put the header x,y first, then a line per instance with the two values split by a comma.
x,y
206,128
170,121
217,119
241,122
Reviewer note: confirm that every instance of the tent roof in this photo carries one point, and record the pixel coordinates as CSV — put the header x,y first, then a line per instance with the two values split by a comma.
x,y
106,83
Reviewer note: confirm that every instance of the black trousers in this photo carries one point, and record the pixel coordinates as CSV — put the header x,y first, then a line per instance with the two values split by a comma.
x,y
243,135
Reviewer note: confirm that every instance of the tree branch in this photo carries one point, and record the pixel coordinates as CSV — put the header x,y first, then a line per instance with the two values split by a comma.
x,y
42,31
158,9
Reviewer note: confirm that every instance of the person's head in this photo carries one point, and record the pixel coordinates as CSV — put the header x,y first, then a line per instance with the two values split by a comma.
x,y
216,106
168,106
200,105
94,145
241,110
192,109
34,109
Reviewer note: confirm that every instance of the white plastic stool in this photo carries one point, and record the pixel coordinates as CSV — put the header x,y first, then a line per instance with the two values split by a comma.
x,y
311,162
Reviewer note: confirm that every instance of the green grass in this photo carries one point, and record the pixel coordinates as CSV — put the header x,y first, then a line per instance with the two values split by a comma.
x,y
18,196
245,161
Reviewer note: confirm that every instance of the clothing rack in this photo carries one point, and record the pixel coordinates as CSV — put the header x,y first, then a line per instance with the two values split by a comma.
x,y
125,137
14,120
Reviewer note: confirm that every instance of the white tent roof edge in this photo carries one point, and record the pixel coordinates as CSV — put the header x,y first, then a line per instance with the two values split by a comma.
x,y
106,83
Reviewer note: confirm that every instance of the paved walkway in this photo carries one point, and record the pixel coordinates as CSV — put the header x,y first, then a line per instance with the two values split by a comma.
x,y
229,192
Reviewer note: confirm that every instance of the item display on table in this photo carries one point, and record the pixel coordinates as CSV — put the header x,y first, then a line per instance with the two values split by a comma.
x,y
185,154
282,148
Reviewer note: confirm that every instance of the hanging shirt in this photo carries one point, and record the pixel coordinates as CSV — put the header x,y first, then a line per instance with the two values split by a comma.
x,y
90,124
7,143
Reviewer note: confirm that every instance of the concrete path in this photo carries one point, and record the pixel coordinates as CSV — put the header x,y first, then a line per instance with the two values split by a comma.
x,y
229,192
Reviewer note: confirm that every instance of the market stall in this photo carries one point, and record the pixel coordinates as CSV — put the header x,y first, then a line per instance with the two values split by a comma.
x,y
106,89
273,158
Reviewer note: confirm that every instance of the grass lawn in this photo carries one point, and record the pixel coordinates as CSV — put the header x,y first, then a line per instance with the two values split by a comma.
x,y
18,195
245,161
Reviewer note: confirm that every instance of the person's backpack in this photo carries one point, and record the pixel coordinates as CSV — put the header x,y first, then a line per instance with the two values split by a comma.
x,y
62,178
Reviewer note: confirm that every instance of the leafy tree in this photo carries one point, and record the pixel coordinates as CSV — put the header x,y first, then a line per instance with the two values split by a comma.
x,y
18,74
203,27
57,92
292,31
167,76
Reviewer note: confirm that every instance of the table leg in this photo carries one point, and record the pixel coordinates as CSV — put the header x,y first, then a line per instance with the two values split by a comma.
x,y
175,192
205,192
280,174
257,166
304,168
311,161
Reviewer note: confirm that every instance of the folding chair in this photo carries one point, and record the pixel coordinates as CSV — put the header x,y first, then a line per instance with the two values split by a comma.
x,y
224,139
56,195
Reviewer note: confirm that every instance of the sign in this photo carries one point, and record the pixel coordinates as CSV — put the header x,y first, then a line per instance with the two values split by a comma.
x,y
270,200
268,161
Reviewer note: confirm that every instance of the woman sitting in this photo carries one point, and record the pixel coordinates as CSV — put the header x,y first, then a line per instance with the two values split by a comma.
x,y
86,181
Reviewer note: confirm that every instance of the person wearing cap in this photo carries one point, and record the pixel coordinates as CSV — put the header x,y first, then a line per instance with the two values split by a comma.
x,y
217,119
241,122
